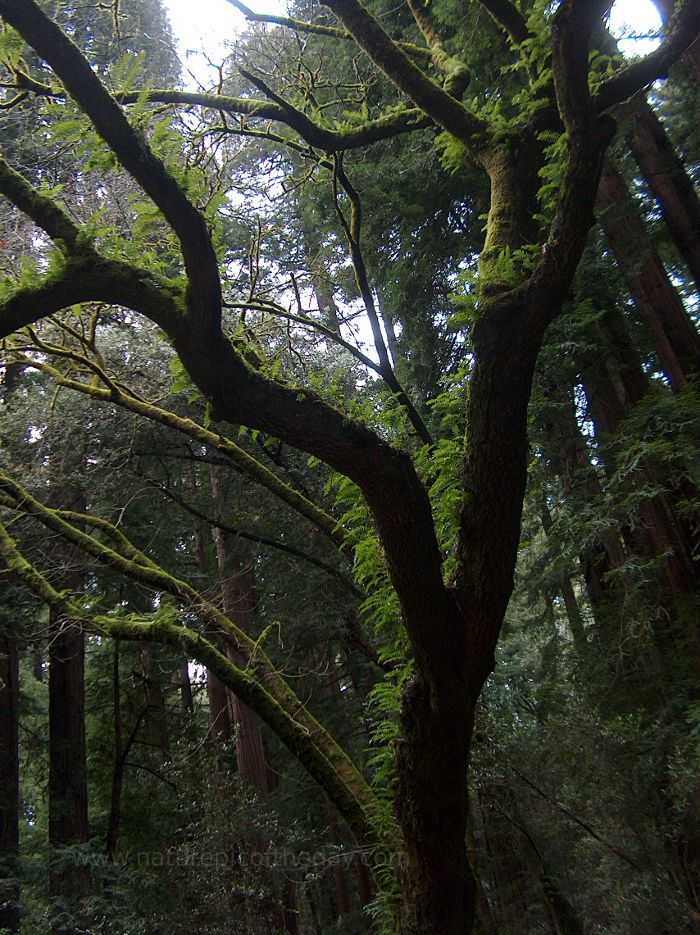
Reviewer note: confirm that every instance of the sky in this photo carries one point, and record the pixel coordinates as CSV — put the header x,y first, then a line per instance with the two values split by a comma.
x,y
204,26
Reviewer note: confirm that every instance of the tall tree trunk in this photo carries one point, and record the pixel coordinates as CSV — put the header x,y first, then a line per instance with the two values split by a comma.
x,y
157,717
668,181
186,686
573,613
240,601
9,785
568,455
217,697
659,532
675,337
69,880
68,801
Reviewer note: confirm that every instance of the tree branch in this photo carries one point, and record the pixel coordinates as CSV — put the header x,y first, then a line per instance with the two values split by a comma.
x,y
433,100
260,540
334,32
372,131
509,18
683,30
258,684
132,151
45,212
457,75
352,230
191,429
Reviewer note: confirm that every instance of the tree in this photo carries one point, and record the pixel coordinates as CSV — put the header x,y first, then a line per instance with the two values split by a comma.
x,y
556,125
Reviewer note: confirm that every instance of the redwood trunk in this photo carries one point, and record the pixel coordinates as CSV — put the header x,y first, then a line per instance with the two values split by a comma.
x,y
157,718
675,338
68,800
668,181
9,786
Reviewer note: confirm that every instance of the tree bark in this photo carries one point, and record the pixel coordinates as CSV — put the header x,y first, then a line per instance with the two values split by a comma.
x,y
186,686
668,181
68,800
674,335
9,786
157,716
69,880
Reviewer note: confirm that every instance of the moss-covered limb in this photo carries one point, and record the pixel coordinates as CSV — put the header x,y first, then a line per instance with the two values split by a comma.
x,y
304,737
509,18
246,462
129,561
65,353
433,100
318,29
123,546
682,31
139,568
41,209
371,131
92,279
456,73
132,151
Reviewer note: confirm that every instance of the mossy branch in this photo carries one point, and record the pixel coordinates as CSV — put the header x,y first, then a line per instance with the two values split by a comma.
x,y
247,463
425,93
256,681
318,29
380,128
42,210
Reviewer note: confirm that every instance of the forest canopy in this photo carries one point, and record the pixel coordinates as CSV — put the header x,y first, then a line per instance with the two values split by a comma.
x,y
348,472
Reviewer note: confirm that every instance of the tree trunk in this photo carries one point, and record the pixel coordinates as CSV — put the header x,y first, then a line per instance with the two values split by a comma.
x,y
186,686
668,181
69,880
675,338
157,718
240,600
9,786
68,801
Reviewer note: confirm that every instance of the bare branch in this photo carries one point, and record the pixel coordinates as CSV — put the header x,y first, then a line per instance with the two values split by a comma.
x,y
318,29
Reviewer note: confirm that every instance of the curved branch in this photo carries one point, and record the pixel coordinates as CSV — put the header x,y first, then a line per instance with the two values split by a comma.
x,y
45,212
188,427
433,100
684,29
258,685
92,278
372,131
132,151
318,29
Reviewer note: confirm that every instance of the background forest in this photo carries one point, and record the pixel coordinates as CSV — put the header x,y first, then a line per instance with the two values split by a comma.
x,y
138,792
